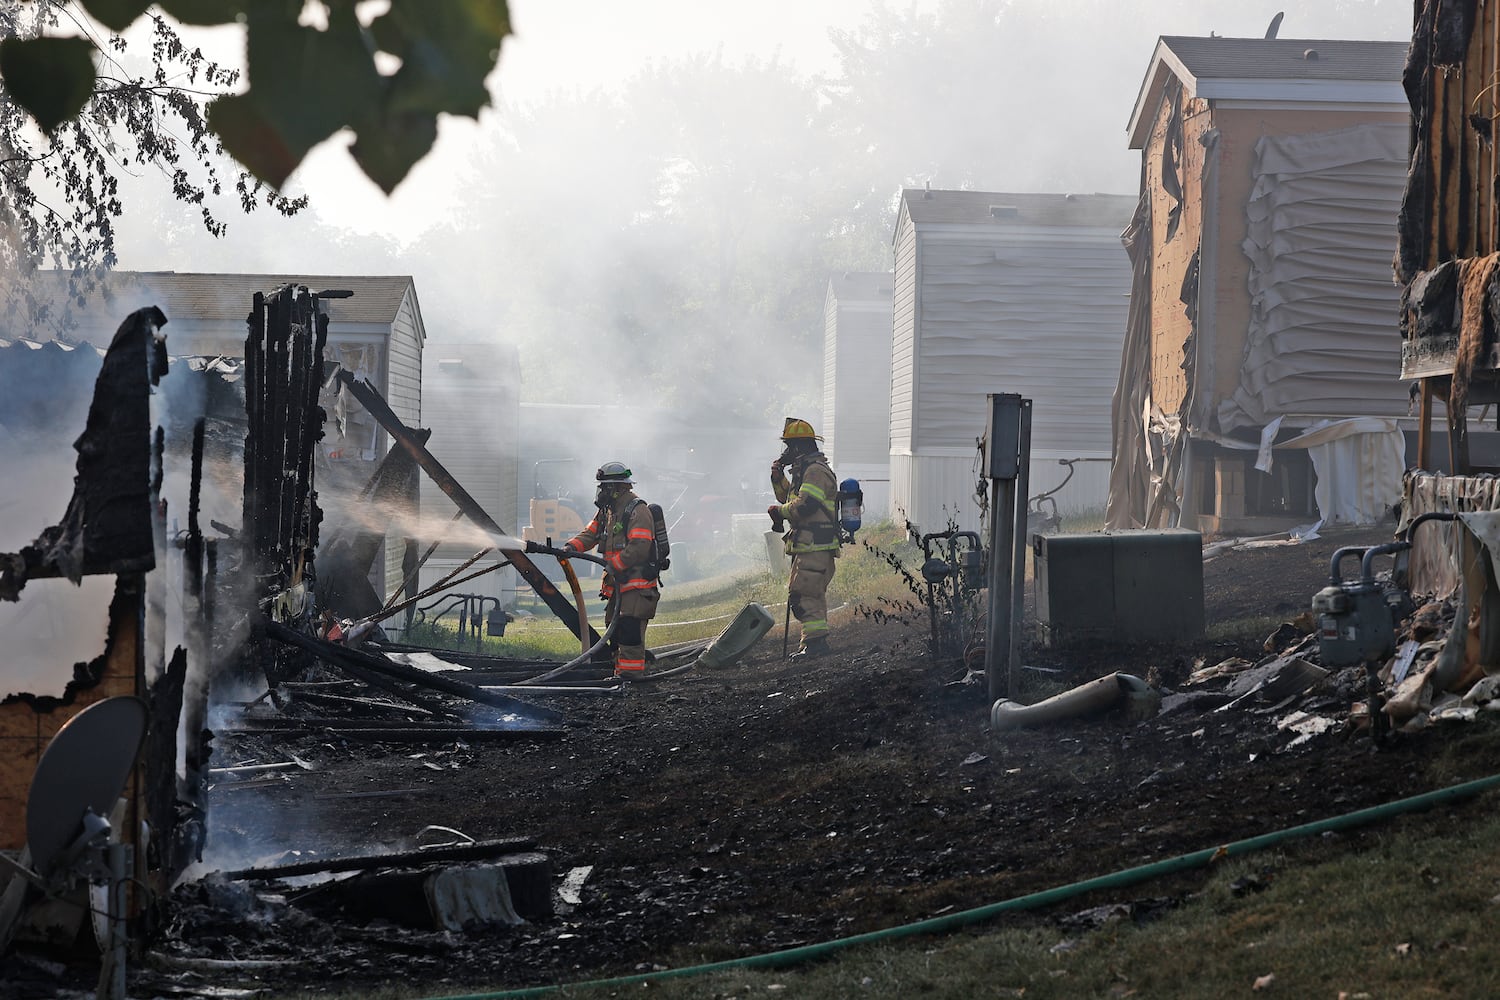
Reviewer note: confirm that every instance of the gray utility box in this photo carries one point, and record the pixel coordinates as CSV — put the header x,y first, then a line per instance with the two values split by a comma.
x,y
1119,586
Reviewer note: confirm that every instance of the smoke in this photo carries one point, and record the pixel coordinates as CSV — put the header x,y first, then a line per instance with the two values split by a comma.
x,y
54,626
651,214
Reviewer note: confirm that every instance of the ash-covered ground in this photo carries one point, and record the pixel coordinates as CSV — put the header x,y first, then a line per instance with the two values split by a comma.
x,y
765,805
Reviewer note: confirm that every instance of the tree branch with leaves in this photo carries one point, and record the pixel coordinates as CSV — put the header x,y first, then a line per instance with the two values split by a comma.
x,y
74,119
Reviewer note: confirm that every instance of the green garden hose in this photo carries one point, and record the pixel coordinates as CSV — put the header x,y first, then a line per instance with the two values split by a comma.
x,y
951,921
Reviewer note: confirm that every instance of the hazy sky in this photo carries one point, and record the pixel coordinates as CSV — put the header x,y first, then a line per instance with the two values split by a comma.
x,y
577,46
580,45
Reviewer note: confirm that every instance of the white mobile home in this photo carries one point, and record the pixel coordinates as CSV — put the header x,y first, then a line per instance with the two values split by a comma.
x,y
1023,293
857,383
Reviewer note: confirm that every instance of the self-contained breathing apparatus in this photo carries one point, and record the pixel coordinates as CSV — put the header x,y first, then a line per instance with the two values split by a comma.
x,y
612,475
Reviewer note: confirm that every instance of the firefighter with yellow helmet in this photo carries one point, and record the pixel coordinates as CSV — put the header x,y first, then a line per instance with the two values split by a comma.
x,y
807,495
623,530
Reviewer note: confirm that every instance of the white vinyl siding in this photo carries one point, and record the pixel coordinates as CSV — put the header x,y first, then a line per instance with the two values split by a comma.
x,y
903,335
403,391
1044,318
404,372
1000,293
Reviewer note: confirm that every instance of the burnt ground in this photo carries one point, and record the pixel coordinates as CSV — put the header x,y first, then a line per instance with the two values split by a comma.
x,y
762,806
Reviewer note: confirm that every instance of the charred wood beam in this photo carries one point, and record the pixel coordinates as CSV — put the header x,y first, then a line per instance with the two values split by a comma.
x,y
283,363
406,438
343,656
192,555
280,514
107,527
371,731
389,686
161,763
475,660
477,851
339,699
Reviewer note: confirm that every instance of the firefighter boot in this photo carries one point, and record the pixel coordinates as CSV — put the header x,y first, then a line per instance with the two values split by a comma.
x,y
812,648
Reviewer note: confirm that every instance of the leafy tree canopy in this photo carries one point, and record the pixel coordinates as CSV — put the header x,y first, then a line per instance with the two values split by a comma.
x,y
77,114
306,81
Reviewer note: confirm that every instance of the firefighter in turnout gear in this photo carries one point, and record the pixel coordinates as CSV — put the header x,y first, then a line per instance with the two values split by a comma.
x,y
623,531
806,494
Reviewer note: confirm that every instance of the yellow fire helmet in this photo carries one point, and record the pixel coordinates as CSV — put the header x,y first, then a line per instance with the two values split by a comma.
x,y
796,428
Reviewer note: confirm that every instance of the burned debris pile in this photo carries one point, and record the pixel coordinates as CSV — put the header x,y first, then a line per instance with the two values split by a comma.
x,y
317,801
242,623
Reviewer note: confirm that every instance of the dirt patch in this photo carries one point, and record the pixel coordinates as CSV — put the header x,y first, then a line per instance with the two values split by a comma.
x,y
767,805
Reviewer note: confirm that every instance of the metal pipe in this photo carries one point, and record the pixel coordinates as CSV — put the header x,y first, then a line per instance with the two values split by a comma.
x,y
1339,555
1367,563
417,570
1018,555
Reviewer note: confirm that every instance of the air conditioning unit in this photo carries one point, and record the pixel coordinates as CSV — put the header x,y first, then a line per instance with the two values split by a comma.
x,y
1119,586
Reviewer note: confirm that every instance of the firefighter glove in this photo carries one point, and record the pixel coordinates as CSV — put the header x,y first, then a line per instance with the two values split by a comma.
x,y
777,522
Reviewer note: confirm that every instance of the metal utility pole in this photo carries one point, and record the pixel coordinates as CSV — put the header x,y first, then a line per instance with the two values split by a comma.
x,y
1007,465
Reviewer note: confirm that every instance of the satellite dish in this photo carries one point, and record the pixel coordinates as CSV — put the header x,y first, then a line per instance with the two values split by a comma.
x,y
77,782
82,772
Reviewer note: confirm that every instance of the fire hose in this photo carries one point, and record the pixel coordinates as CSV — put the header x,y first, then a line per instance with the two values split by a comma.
x,y
577,588
563,555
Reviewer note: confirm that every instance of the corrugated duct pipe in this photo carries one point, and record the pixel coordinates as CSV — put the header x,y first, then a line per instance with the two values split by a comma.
x,y
952,921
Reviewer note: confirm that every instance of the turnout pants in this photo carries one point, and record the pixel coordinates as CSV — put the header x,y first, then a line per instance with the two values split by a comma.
x,y
811,574
637,608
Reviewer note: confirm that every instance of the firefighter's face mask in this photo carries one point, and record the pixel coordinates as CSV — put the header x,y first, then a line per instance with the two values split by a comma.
x,y
604,496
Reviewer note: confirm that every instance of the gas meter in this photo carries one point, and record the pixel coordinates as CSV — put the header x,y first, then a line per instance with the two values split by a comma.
x,y
1356,623
1357,618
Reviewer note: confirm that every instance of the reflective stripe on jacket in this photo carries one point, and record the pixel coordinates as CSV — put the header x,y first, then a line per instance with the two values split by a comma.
x,y
625,548
811,511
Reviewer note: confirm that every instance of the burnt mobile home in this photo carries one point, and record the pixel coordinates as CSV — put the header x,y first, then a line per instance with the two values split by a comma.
x,y
1258,384
375,333
1447,266
994,293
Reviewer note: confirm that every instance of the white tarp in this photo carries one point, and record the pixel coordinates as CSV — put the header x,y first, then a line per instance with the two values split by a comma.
x,y
1359,464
